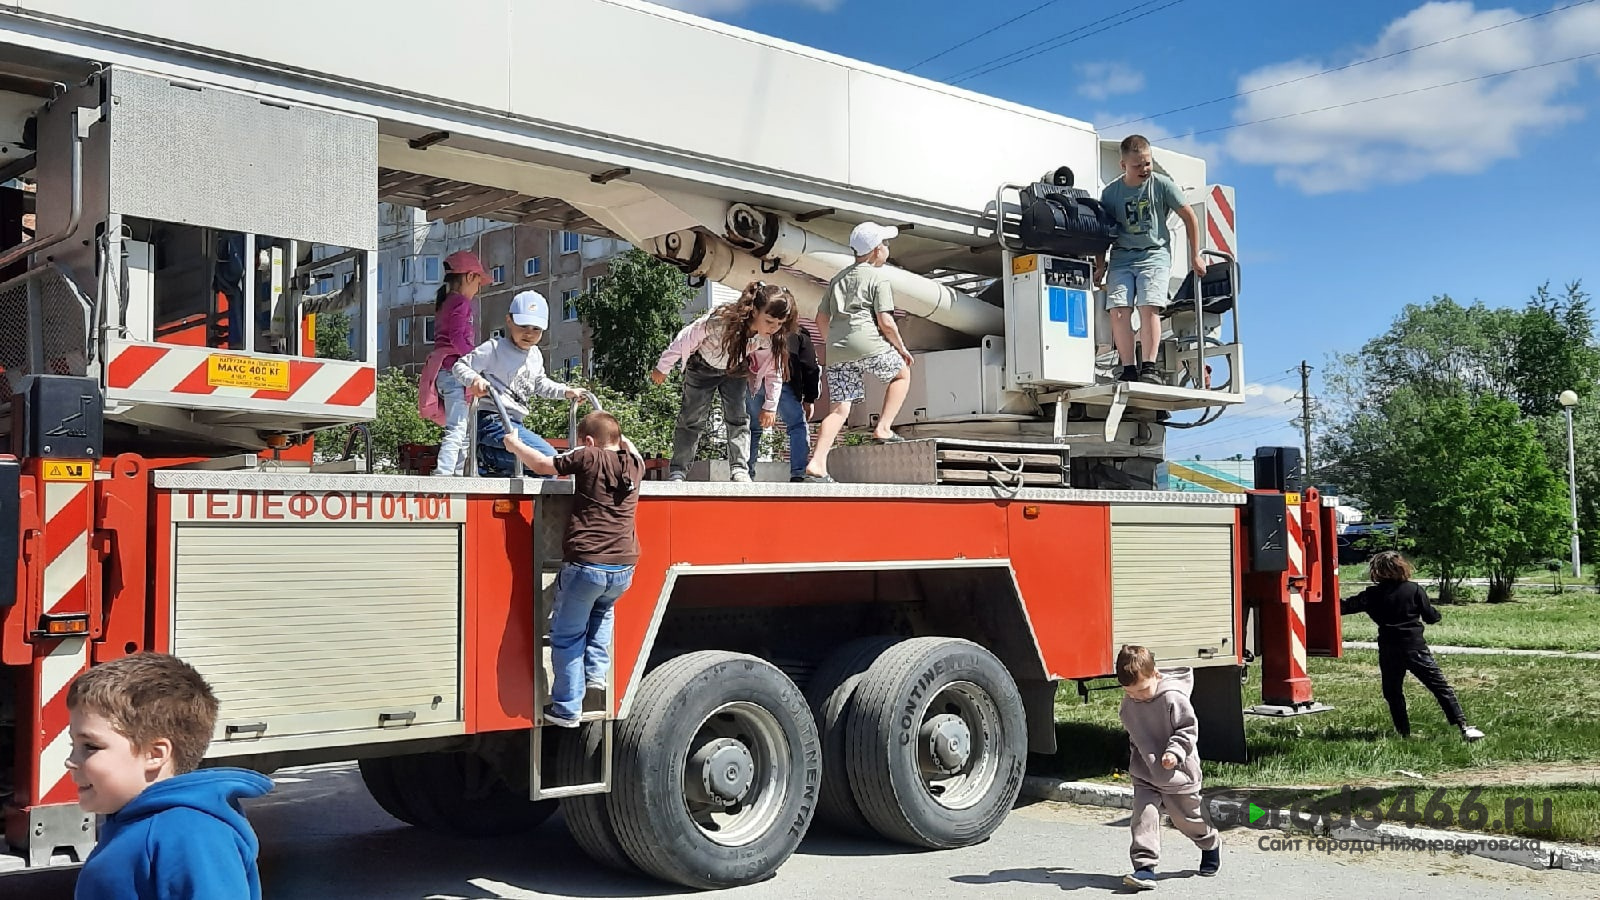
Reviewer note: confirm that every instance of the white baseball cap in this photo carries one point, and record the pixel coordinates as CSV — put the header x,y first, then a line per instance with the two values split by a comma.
x,y
530,308
868,235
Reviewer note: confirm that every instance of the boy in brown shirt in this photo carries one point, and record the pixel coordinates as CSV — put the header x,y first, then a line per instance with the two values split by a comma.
x,y
598,554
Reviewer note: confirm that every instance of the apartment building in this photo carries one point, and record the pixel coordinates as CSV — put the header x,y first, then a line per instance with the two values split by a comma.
x,y
561,265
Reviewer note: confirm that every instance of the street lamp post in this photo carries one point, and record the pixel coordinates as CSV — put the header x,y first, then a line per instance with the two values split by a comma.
x,y
1569,399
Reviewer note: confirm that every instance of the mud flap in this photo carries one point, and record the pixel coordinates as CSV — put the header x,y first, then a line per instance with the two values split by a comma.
x,y
1219,705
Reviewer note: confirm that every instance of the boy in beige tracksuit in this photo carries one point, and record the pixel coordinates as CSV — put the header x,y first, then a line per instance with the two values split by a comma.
x,y
1163,764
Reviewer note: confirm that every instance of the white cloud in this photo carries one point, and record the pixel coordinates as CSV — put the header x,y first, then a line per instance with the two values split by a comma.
x,y
1263,419
1266,401
718,7
1210,151
1100,80
1462,129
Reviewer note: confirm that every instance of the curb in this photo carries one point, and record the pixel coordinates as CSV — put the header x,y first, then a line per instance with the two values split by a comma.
x,y
1446,650
1567,857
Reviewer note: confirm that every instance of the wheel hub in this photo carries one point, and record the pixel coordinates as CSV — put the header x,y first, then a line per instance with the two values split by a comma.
x,y
947,743
726,771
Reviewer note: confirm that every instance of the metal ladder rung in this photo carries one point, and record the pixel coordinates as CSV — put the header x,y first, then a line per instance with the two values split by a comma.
x,y
574,790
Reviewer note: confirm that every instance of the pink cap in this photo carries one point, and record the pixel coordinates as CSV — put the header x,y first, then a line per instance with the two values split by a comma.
x,y
463,262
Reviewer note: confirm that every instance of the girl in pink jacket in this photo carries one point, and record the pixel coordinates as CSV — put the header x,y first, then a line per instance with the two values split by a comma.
x,y
724,353
441,398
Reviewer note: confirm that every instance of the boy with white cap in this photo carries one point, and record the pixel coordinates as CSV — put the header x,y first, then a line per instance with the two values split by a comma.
x,y
515,362
857,315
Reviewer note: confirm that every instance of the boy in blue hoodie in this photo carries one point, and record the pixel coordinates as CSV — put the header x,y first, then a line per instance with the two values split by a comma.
x,y
140,726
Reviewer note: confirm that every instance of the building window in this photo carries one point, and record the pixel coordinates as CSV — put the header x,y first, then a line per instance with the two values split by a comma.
x,y
497,274
595,282
407,273
532,266
430,270
325,284
569,305
427,329
569,242
380,276
402,336
349,277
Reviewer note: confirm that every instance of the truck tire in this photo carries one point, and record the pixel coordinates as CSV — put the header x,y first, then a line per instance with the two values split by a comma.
x,y
937,743
587,819
830,694
451,793
718,767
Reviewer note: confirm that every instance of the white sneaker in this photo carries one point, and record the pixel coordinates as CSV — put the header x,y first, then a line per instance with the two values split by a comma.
x,y
676,476
1469,734
740,476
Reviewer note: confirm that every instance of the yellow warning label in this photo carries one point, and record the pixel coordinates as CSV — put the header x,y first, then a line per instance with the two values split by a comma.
x,y
247,372
68,470
1022,265
1292,499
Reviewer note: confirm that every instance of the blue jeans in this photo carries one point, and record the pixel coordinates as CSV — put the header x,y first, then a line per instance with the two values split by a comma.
x,y
794,421
580,630
493,457
453,446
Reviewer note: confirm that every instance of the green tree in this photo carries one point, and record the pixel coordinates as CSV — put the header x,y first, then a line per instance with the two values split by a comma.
x,y
646,414
1443,359
333,335
632,316
397,422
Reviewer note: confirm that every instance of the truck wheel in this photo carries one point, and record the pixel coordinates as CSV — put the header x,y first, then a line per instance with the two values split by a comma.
x,y
721,764
831,691
451,793
577,762
937,743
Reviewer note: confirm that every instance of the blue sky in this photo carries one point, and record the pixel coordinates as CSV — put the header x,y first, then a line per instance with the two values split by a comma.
x,y
1481,190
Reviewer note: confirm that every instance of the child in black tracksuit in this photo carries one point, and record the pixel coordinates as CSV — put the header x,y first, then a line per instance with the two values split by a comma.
x,y
1400,607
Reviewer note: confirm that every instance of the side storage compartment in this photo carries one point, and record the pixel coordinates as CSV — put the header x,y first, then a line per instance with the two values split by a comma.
x,y
1173,577
349,631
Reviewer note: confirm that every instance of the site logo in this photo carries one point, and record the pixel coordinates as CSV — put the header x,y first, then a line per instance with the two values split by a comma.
x,y
1368,808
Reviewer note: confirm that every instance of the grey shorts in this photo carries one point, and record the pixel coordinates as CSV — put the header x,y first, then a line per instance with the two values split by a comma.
x,y
844,379
1141,284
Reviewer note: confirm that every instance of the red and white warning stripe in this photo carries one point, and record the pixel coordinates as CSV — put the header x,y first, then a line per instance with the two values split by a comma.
x,y
68,515
1220,232
1297,600
157,372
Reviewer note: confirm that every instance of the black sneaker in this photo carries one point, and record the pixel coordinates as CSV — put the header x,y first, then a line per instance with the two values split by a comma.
x,y
1129,373
551,717
1149,374
1211,861
1141,880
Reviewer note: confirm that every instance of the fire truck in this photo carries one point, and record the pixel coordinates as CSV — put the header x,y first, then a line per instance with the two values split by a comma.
x,y
881,654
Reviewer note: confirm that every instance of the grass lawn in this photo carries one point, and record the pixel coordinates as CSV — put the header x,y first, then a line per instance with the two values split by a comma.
x,y
1535,620
1537,712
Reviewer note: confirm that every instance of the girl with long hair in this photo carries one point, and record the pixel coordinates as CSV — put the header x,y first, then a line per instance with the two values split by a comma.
x,y
1401,610
724,353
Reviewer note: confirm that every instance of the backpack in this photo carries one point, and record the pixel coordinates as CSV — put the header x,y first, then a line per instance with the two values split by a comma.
x,y
1062,220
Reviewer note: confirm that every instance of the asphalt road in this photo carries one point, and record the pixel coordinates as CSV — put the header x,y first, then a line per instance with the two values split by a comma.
x,y
323,837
